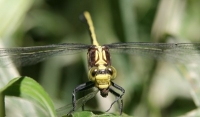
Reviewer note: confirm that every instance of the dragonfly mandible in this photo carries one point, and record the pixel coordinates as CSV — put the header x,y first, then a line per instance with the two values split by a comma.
x,y
101,73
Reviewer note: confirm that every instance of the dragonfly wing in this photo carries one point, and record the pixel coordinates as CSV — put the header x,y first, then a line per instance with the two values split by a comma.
x,y
79,103
182,52
22,56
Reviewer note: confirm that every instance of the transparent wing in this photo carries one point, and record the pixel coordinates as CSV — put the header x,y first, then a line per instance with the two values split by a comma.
x,y
22,56
79,103
183,52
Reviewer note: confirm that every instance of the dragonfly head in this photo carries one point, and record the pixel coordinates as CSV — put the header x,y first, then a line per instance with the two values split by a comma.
x,y
102,75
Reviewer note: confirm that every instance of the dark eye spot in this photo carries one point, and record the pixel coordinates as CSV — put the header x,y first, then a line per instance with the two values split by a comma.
x,y
94,72
110,71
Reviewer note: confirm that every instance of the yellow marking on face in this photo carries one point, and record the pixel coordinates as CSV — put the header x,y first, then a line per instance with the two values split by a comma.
x,y
102,81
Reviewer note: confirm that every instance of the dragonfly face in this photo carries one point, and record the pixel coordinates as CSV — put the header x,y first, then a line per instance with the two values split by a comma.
x,y
100,70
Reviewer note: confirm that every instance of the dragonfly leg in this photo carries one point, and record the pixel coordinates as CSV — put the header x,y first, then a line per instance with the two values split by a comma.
x,y
118,96
80,87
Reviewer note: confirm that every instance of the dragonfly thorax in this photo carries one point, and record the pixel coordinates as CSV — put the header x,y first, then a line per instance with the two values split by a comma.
x,y
100,70
98,55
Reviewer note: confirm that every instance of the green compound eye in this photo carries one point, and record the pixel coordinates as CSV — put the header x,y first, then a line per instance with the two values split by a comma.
x,y
112,71
92,73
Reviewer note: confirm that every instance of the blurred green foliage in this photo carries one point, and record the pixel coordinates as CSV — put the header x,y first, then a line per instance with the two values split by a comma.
x,y
27,88
153,88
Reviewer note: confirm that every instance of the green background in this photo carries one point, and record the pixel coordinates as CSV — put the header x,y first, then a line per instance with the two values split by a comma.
x,y
153,88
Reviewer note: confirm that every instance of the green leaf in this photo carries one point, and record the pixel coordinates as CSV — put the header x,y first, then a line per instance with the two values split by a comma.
x,y
27,88
96,114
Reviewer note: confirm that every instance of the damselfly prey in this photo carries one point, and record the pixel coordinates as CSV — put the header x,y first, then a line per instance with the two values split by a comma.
x,y
101,73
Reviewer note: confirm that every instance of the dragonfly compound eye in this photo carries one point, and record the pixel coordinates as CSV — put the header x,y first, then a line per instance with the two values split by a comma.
x,y
112,71
92,73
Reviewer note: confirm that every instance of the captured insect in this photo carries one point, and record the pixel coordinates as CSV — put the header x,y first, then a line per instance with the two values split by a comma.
x,y
100,71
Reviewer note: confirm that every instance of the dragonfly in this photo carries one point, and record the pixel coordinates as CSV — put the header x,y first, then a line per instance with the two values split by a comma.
x,y
101,73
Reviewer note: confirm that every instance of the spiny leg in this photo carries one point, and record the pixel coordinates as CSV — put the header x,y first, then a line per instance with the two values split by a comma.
x,y
118,96
81,87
